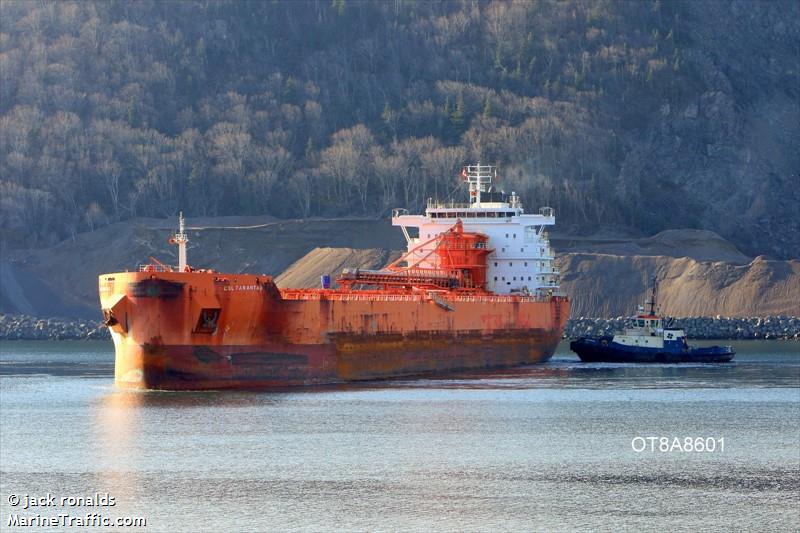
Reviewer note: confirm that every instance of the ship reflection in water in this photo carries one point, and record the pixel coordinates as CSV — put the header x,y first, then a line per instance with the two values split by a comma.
x,y
544,447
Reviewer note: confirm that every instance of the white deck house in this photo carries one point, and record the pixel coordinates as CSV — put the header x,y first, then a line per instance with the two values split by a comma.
x,y
522,260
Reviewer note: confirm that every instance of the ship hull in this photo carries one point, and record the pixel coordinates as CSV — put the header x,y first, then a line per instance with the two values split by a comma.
x,y
191,331
197,367
603,350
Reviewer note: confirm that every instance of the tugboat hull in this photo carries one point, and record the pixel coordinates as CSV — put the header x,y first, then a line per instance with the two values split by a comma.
x,y
604,350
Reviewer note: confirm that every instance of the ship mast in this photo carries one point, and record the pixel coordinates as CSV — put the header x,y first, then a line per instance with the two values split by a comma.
x,y
479,178
181,239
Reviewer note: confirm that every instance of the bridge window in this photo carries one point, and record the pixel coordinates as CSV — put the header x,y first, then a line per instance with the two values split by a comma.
x,y
481,215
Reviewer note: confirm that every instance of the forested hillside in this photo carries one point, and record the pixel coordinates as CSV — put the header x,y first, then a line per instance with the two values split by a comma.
x,y
644,115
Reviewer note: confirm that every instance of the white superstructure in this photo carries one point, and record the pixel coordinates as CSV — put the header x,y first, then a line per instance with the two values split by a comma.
x,y
521,261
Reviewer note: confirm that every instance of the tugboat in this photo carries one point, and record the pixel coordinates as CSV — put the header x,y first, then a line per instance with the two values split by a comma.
x,y
647,340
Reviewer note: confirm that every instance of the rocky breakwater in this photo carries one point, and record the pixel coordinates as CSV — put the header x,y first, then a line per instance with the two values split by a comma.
x,y
718,327
24,327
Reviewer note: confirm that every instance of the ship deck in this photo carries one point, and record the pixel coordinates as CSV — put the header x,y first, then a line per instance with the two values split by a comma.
x,y
388,296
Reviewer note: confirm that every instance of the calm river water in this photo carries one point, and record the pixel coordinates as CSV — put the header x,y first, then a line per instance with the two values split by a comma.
x,y
559,446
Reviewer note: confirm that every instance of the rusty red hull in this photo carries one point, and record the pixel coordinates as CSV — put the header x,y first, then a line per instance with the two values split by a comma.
x,y
180,331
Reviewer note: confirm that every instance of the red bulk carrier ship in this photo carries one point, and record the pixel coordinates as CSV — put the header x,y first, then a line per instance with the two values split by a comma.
x,y
476,289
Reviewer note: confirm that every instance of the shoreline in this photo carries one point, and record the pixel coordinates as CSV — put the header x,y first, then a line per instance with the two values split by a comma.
x,y
25,327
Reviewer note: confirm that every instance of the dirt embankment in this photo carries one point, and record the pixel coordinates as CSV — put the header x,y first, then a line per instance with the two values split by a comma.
x,y
700,245
606,276
306,271
604,285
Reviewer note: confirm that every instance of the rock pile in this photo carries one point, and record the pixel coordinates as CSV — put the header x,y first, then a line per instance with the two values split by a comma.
x,y
700,327
23,327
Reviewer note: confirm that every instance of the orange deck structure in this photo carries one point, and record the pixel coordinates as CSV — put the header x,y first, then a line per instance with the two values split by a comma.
x,y
429,312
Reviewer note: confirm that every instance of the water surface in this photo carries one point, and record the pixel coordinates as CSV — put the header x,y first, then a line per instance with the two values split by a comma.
x,y
547,447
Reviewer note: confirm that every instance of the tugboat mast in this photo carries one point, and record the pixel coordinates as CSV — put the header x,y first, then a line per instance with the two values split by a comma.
x,y
653,293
